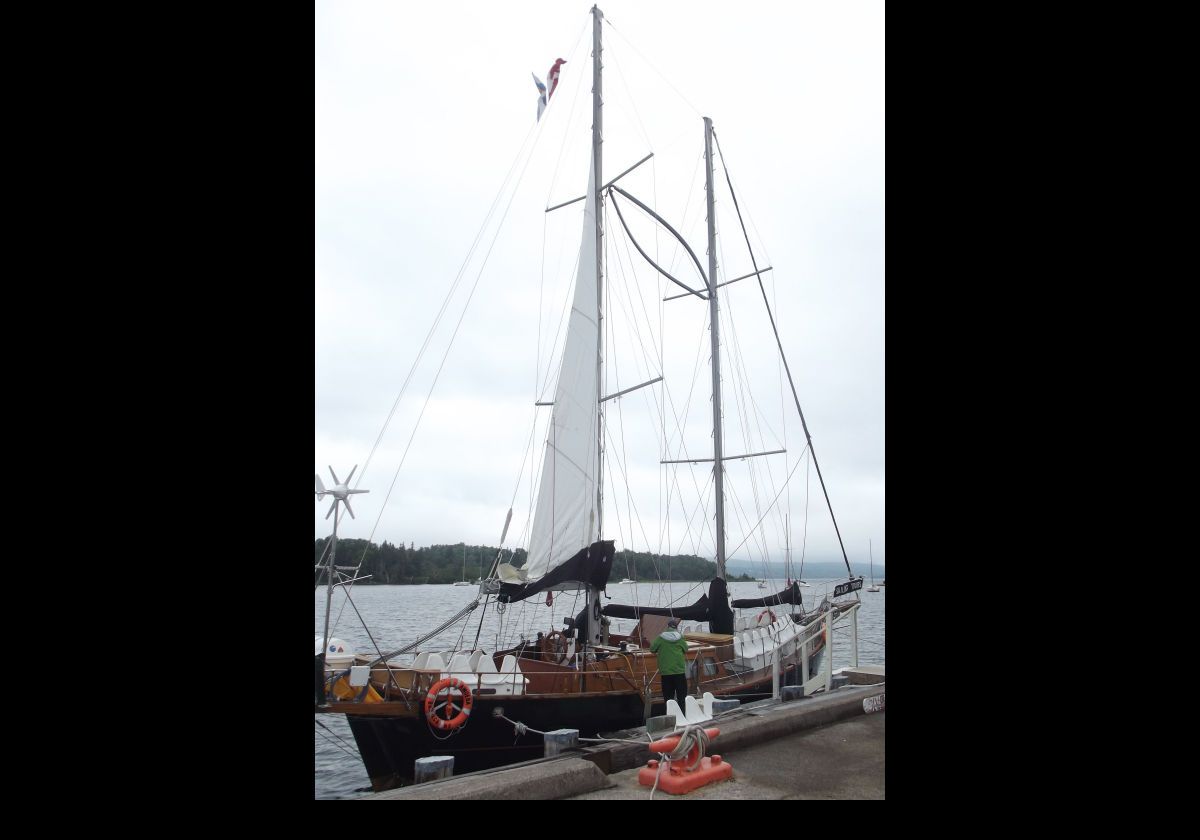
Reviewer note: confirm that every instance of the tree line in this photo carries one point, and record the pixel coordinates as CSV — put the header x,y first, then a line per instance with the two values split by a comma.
x,y
400,564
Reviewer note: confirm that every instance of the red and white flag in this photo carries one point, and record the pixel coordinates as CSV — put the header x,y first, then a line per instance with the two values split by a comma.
x,y
553,77
544,94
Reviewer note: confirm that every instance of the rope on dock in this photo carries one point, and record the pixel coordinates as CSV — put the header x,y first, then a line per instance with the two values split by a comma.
x,y
691,738
615,740
522,729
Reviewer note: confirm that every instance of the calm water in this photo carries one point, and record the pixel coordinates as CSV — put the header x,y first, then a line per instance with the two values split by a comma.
x,y
397,615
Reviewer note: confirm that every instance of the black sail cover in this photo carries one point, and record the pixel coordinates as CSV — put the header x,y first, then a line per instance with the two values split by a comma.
x,y
713,608
790,595
720,616
590,566
696,612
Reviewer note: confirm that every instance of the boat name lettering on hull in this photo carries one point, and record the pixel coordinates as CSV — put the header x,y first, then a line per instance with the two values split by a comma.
x,y
873,704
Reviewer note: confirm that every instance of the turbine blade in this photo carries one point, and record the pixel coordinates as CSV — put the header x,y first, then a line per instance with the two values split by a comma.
x,y
346,502
349,477
348,492
331,508
335,478
320,488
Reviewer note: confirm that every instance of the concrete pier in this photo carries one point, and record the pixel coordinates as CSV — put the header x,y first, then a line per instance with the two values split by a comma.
x,y
553,778
829,746
843,760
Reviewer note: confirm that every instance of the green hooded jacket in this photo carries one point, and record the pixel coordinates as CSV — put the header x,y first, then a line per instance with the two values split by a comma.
x,y
671,648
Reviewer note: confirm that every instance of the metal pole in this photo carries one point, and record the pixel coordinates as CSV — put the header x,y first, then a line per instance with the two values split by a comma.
x,y
829,644
329,587
714,325
775,673
854,636
804,645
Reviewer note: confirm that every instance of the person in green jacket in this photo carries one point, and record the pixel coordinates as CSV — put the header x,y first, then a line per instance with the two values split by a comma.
x,y
671,648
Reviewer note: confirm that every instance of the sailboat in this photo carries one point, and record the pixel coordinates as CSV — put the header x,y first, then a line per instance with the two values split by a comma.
x,y
464,581
487,707
872,587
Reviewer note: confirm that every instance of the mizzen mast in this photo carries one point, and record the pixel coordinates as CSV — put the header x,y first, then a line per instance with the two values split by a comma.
x,y
714,334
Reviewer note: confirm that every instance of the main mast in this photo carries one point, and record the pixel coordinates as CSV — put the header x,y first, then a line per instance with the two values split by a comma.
x,y
593,599
598,164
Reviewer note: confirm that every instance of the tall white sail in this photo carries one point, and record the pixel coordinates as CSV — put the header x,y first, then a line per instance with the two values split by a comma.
x,y
565,519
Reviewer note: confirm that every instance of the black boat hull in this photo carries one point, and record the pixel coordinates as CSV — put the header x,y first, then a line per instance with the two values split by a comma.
x,y
390,744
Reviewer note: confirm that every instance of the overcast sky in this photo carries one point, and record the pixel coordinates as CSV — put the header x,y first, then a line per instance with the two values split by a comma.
x,y
422,110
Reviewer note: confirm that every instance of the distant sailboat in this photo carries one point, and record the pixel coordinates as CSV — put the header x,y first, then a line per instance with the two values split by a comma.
x,y
872,587
464,581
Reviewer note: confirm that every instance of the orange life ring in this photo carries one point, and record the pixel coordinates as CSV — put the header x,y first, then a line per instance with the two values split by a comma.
x,y
448,685
767,611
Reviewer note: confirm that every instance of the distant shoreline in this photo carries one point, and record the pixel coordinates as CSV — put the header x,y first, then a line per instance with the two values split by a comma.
x,y
386,563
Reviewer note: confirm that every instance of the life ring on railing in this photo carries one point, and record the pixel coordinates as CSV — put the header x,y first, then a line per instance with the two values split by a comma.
x,y
767,611
448,686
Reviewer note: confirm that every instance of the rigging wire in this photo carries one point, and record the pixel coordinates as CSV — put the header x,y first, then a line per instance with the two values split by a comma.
x,y
775,330
346,748
804,539
428,339
662,404
450,345
701,508
616,65
574,101
438,319
622,457
680,425
650,364
445,304
550,191
789,478
745,397
738,364
739,378
651,64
